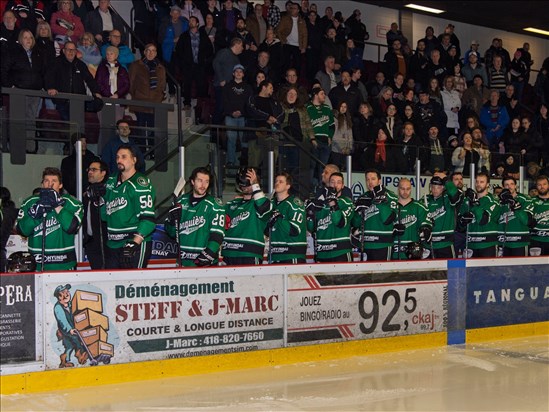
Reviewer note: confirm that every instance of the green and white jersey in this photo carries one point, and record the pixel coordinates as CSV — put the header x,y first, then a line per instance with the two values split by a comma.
x,y
483,230
413,216
378,223
514,231
540,209
60,231
128,209
322,120
289,234
332,229
442,213
202,225
245,225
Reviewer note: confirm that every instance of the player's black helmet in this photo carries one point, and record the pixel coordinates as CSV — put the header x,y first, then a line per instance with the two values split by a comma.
x,y
241,178
414,251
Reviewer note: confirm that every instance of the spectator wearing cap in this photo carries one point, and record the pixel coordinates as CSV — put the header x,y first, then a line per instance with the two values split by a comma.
x,y
475,96
473,49
223,64
193,55
473,67
236,94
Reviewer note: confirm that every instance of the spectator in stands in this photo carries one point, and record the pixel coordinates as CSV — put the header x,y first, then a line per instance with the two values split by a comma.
x,y
392,122
433,156
526,57
379,82
257,24
328,19
147,83
437,68
382,101
480,144
262,63
23,67
434,90
452,105
327,77
272,45
363,134
496,49
464,155
246,8
397,83
452,59
249,54
342,142
383,154
81,8
209,28
513,137
429,113
348,93
292,32
168,35
113,79
292,80
331,47
475,96
226,25
494,118
69,75
89,53
125,55
193,55
357,30
65,25
264,112
48,48
236,94
408,114
419,64
510,101
498,77
340,30
449,30
541,124
356,75
68,164
144,23
474,68
533,146
259,77
518,71
395,61
209,7
314,44
123,132
223,64
395,34
352,56
27,12
189,9
430,40
460,82
297,124
102,21
271,13
444,48
473,49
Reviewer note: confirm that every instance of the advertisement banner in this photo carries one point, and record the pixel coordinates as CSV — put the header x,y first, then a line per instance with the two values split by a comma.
x,y
332,308
17,318
140,320
507,295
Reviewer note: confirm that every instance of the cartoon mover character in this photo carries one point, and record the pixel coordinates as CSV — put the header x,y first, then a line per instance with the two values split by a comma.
x,y
66,330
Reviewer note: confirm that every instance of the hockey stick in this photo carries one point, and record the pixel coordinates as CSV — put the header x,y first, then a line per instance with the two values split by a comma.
x,y
431,242
398,241
176,193
363,215
43,241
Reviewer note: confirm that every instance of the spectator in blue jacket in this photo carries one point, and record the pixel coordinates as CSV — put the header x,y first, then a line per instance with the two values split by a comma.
x,y
125,55
494,118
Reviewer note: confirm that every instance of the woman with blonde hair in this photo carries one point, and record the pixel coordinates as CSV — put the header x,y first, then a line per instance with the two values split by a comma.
x,y
65,25
113,79
88,52
49,49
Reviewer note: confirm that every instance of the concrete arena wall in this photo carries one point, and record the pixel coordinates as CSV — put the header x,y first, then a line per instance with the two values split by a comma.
x,y
169,322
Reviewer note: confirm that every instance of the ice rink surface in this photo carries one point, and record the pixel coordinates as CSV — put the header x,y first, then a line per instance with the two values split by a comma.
x,y
508,375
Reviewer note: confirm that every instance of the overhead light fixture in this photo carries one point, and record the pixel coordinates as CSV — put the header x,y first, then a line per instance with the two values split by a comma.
x,y
538,31
423,8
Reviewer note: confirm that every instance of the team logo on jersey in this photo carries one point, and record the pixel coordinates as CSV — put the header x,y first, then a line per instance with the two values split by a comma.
x,y
191,226
437,213
142,181
298,201
408,220
324,223
239,218
219,201
51,226
115,205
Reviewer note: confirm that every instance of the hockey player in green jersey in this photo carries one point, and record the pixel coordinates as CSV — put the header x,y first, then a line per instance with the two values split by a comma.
x,y
540,209
330,222
62,216
412,225
515,220
445,197
480,212
287,226
128,210
246,218
375,213
199,219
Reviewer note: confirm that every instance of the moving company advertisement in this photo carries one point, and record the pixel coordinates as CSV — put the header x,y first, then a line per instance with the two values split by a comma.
x,y
507,295
331,308
17,318
139,320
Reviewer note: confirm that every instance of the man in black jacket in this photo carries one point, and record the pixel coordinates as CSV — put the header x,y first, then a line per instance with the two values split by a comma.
x,y
193,59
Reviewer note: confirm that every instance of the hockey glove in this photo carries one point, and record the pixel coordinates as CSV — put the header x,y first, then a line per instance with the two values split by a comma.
x,y
425,234
274,218
205,258
313,206
129,251
398,229
96,191
37,211
331,199
174,214
380,194
466,218
356,239
472,196
364,202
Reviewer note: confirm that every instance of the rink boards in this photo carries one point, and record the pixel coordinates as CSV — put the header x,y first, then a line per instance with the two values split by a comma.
x,y
190,321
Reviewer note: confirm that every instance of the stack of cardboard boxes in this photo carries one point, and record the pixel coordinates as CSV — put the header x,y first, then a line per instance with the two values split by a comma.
x,y
87,308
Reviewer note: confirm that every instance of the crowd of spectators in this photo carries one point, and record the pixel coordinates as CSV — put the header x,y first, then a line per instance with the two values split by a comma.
x,y
266,66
